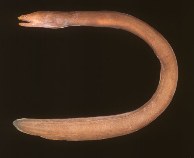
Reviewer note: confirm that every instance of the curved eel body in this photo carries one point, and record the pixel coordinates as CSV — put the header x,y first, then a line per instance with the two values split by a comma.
x,y
102,127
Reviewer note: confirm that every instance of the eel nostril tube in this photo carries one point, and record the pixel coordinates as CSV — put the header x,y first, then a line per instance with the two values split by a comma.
x,y
102,127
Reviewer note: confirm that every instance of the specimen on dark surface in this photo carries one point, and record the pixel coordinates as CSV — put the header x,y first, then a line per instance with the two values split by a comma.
x,y
102,127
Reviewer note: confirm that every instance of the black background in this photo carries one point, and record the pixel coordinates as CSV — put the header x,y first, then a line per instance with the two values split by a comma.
x,y
84,71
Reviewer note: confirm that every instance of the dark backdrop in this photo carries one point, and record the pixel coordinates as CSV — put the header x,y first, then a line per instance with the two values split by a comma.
x,y
84,71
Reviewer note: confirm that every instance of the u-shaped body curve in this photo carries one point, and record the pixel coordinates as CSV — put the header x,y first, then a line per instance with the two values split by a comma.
x,y
102,127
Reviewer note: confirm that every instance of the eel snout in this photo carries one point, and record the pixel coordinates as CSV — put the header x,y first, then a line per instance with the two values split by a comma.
x,y
29,21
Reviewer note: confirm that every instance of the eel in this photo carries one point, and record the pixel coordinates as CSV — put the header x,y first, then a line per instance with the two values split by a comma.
x,y
103,127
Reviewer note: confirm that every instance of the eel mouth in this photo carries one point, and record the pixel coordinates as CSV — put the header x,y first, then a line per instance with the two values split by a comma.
x,y
28,21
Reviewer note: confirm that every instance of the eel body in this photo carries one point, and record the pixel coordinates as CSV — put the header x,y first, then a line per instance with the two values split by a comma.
x,y
102,127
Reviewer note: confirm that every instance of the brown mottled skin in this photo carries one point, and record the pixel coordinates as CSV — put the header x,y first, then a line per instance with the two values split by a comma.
x,y
102,127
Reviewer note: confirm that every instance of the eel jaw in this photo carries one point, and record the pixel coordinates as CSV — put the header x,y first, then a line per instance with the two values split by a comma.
x,y
28,21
